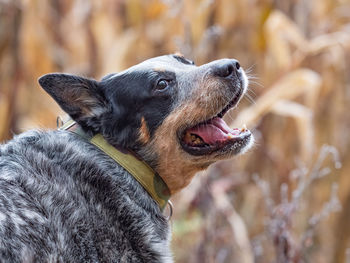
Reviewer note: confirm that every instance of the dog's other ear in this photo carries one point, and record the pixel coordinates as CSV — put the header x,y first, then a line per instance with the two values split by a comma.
x,y
81,98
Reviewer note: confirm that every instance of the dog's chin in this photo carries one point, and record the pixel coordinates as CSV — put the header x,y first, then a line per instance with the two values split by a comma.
x,y
236,148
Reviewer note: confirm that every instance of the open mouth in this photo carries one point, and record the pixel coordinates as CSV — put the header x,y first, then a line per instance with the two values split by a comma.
x,y
215,135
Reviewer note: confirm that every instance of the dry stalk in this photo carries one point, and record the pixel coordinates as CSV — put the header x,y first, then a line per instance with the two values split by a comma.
x,y
279,226
240,238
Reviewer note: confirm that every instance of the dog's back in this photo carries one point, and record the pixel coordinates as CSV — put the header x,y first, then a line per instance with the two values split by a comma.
x,y
61,199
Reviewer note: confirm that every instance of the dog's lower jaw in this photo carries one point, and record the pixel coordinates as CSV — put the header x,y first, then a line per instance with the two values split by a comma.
x,y
178,177
177,172
175,166
169,164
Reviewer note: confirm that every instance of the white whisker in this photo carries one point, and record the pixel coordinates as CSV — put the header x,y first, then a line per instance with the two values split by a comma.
x,y
249,98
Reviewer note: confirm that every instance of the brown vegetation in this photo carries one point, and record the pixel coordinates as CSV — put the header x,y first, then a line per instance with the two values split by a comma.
x,y
287,200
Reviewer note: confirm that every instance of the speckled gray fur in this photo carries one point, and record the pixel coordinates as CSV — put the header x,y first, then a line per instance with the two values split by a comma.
x,y
63,200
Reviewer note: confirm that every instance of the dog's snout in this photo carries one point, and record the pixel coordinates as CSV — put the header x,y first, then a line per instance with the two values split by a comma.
x,y
226,68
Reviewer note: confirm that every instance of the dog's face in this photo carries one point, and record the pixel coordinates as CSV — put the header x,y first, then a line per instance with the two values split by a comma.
x,y
166,109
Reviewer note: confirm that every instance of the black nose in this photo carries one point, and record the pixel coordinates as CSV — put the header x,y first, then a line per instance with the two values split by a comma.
x,y
226,68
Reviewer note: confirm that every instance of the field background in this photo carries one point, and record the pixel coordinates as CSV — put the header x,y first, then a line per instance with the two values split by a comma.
x,y
288,199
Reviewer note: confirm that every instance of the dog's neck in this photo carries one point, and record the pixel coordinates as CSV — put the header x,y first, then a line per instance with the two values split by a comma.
x,y
140,170
168,162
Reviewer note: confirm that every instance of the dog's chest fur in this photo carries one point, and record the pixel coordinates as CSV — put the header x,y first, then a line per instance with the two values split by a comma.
x,y
76,203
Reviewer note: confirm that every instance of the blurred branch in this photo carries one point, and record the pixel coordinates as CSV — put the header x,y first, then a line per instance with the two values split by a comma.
x,y
9,123
332,206
93,60
243,251
279,225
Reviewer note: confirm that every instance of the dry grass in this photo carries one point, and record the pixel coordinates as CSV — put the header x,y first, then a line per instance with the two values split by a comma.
x,y
285,201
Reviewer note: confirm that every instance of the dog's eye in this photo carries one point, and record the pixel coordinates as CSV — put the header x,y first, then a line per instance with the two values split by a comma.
x,y
162,84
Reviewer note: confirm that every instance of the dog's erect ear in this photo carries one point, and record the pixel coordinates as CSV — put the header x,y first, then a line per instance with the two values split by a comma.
x,y
80,97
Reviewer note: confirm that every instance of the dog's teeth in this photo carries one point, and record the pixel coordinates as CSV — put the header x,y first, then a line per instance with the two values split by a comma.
x,y
196,140
193,138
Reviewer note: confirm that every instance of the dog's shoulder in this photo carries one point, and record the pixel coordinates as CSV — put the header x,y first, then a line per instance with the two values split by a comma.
x,y
76,202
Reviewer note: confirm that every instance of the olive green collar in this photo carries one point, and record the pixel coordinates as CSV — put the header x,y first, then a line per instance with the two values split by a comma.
x,y
144,174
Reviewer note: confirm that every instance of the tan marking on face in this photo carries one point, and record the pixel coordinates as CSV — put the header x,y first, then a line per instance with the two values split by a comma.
x,y
179,54
174,165
159,69
144,132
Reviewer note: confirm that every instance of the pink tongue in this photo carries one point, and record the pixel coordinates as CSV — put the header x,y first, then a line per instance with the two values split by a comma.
x,y
214,131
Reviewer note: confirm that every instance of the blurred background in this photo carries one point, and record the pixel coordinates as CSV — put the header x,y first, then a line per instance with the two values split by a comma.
x,y
287,199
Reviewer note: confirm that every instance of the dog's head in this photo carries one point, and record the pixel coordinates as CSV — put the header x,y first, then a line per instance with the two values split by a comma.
x,y
166,109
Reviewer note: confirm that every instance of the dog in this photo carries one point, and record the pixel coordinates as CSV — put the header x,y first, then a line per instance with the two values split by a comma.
x,y
63,198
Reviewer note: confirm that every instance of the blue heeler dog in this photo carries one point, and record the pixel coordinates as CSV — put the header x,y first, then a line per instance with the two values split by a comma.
x,y
94,191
